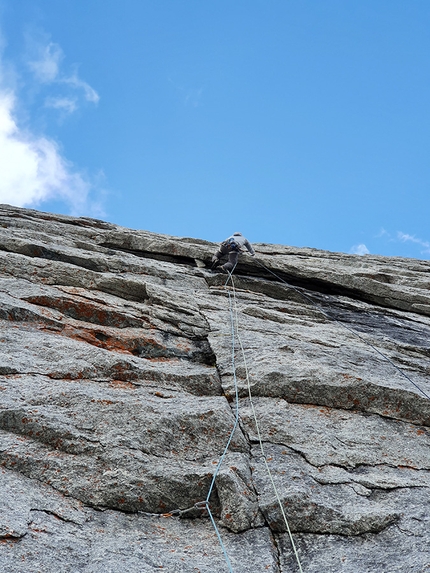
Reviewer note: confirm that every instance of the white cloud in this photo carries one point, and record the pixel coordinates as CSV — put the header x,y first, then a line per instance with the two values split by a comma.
x,y
90,94
66,104
405,237
360,249
33,169
46,67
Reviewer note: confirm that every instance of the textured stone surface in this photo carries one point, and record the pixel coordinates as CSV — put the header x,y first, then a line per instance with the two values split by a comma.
x,y
117,399
50,532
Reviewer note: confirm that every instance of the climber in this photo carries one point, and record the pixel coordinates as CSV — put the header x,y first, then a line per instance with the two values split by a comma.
x,y
231,247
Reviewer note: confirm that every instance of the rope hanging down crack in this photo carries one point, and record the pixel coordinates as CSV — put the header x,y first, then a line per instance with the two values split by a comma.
x,y
233,310
205,505
234,325
260,440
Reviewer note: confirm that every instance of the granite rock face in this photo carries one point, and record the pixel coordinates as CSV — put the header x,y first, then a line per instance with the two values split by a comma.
x,y
118,396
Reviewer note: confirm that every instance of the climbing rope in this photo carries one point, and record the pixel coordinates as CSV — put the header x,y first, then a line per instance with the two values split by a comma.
x,y
257,427
206,504
234,327
358,335
235,335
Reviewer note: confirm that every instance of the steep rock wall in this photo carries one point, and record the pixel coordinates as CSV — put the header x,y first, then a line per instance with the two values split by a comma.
x,y
117,398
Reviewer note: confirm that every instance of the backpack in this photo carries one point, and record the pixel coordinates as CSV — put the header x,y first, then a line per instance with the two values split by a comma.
x,y
231,245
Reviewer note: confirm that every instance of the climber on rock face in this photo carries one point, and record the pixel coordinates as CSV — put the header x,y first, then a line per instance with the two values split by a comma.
x,y
232,246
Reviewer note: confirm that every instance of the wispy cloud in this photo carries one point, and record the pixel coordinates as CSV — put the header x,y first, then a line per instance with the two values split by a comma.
x,y
189,96
66,104
74,81
193,96
33,166
360,249
46,65
382,233
406,238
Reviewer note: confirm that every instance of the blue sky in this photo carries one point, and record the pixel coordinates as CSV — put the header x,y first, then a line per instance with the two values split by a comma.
x,y
301,122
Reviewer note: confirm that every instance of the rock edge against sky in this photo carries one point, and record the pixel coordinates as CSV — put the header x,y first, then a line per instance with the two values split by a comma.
x,y
117,399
